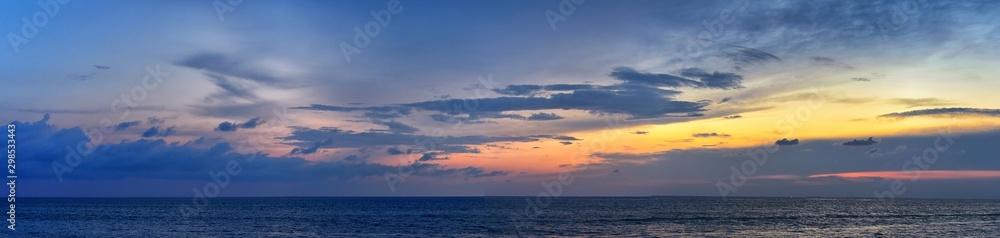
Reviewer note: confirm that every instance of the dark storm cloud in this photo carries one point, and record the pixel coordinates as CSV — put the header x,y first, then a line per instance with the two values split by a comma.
x,y
631,75
226,65
157,159
252,123
541,116
311,149
856,142
715,80
430,157
157,132
394,151
786,141
949,112
620,99
692,77
125,125
233,126
637,95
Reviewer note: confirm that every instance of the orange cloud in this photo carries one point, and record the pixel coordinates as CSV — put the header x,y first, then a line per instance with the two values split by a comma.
x,y
926,174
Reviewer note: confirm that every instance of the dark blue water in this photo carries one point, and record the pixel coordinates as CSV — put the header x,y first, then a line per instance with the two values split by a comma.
x,y
506,216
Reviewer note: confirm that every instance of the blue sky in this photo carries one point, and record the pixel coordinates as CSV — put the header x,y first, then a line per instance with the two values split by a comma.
x,y
494,98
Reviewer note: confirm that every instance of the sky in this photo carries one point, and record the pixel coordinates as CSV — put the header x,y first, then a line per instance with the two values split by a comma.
x,y
878,99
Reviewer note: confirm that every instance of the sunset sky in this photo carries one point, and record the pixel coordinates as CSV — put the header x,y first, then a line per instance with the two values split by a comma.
x,y
473,98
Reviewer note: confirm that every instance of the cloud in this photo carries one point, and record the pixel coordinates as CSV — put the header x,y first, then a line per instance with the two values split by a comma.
x,y
711,134
158,159
744,56
619,99
312,149
637,95
725,100
226,65
230,87
541,116
922,175
714,80
394,151
154,120
519,90
639,132
733,117
125,125
831,62
430,157
630,75
556,137
155,131
566,142
227,126
351,139
396,127
786,141
861,79
920,102
528,89
378,112
869,141
948,112
82,77
233,126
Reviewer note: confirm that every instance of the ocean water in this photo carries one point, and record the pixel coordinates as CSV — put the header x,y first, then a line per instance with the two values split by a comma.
x,y
507,216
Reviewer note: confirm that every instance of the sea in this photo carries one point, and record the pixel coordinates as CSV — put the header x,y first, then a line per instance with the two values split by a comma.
x,y
506,217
